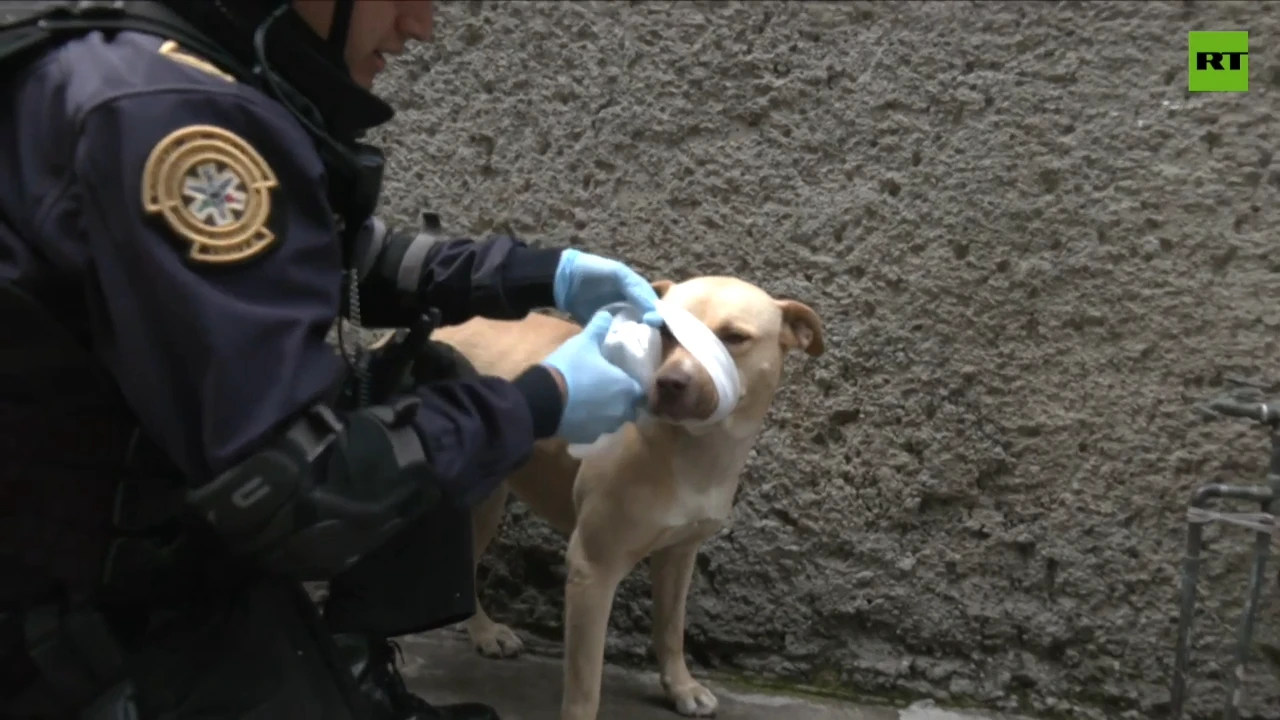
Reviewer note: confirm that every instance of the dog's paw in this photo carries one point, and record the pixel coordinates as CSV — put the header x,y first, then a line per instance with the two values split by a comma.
x,y
692,699
499,641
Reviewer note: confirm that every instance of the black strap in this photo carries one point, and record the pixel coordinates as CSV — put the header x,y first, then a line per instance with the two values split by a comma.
x,y
340,26
31,26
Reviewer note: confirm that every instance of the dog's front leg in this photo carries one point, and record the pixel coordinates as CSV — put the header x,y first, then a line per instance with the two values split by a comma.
x,y
671,573
588,600
490,638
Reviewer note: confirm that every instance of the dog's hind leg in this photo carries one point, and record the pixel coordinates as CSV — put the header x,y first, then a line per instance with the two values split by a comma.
x,y
671,574
490,639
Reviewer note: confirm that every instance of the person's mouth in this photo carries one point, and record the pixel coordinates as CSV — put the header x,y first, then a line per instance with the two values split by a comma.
x,y
383,55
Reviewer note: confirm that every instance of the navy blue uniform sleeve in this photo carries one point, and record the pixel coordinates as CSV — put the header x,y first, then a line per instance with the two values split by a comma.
x,y
404,272
213,357
499,278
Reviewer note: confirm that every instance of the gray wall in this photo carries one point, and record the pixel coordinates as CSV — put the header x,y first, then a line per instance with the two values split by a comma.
x,y
1034,252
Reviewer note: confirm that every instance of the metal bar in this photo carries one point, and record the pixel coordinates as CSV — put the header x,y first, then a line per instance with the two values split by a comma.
x,y
1235,678
1190,578
1190,575
1257,580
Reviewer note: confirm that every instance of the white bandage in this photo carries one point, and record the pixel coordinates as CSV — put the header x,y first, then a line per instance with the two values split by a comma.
x,y
636,349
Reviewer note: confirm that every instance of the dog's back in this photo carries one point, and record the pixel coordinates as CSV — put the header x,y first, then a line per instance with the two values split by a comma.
x,y
504,347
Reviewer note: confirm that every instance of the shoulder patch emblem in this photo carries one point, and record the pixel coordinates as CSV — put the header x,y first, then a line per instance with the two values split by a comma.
x,y
212,189
174,52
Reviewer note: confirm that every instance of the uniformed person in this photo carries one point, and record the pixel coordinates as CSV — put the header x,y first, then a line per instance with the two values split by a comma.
x,y
185,208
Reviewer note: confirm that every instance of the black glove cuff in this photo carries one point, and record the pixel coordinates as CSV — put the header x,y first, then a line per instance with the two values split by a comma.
x,y
542,393
529,277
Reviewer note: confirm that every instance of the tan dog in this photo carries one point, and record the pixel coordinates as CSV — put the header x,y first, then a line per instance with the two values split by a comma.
x,y
659,493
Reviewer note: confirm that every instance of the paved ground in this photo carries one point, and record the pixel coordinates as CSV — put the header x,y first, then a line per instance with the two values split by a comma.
x,y
445,669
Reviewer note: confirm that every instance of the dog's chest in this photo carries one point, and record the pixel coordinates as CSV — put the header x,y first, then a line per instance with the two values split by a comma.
x,y
704,491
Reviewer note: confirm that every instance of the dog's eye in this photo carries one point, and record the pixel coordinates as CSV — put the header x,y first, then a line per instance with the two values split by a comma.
x,y
732,337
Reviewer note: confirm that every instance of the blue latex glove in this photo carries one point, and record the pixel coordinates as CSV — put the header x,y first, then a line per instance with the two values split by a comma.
x,y
586,283
600,396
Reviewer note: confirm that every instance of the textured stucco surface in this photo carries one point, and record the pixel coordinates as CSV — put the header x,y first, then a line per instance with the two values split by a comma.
x,y
1034,252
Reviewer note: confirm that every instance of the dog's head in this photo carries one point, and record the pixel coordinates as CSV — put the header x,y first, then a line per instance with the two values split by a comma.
x,y
758,332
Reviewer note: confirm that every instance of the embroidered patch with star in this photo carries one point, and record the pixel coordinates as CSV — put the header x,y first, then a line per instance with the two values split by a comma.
x,y
213,190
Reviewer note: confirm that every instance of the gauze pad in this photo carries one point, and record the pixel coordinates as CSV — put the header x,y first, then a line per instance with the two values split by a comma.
x,y
636,349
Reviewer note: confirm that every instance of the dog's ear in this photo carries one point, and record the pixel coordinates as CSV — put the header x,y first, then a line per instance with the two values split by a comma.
x,y
801,328
661,287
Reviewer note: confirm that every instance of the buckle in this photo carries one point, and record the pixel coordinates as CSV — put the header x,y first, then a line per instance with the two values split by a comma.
x,y
315,431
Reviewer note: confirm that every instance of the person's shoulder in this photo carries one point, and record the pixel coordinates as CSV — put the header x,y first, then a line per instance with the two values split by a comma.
x,y
213,157
97,68
156,83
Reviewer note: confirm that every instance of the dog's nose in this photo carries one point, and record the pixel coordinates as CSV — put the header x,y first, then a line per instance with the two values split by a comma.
x,y
673,382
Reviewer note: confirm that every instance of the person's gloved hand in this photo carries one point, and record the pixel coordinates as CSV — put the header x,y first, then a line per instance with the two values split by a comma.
x,y
599,396
586,283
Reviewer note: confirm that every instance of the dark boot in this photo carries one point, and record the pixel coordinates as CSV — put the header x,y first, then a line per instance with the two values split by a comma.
x,y
373,664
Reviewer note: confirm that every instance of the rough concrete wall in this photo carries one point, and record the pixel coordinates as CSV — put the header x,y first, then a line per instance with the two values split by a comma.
x,y
1033,250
